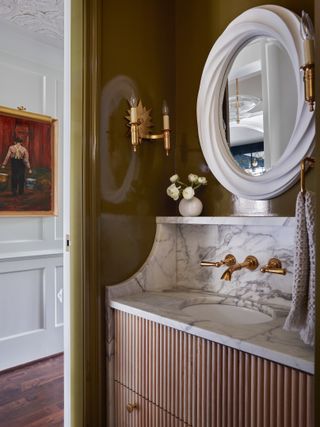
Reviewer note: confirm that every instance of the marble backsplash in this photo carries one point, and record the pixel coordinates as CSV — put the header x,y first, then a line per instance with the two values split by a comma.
x,y
213,242
181,243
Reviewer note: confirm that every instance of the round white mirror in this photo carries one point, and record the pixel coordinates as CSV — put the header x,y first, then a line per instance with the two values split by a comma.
x,y
254,126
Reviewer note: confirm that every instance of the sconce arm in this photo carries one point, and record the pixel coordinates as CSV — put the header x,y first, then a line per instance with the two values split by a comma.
x,y
153,136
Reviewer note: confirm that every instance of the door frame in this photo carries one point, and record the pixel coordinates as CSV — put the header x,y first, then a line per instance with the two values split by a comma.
x,y
84,297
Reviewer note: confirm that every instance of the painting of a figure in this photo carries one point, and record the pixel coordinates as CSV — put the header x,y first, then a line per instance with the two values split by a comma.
x,y
27,159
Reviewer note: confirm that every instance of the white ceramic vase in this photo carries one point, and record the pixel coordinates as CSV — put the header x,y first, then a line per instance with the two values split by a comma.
x,y
191,207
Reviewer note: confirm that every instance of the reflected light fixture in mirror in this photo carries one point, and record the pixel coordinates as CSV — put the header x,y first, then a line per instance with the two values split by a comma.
x,y
141,123
260,105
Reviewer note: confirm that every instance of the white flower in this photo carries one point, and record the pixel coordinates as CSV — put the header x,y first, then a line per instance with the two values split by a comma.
x,y
178,188
174,178
188,193
202,180
173,192
192,177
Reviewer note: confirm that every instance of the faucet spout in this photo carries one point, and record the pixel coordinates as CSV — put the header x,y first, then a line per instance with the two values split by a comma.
x,y
251,263
226,275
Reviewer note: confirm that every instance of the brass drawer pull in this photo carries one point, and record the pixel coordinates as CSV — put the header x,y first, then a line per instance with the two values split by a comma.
x,y
131,407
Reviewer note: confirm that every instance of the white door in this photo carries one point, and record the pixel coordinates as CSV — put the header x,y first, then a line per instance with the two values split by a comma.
x,y
31,253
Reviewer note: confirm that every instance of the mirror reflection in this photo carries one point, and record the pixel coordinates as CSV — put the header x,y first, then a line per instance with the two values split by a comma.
x,y
260,105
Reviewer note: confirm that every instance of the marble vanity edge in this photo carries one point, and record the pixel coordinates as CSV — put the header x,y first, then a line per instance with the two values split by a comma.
x,y
158,269
129,287
242,345
228,220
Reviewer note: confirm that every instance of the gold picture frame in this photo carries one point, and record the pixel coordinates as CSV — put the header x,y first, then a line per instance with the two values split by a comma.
x,y
28,163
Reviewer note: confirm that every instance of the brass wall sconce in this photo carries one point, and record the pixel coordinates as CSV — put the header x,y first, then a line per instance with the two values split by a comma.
x,y
307,33
141,123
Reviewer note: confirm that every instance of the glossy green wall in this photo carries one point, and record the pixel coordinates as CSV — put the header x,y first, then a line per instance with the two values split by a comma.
x,y
198,25
137,44
162,47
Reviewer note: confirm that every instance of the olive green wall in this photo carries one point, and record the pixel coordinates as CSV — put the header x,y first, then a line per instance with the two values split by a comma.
x,y
198,25
137,42
162,46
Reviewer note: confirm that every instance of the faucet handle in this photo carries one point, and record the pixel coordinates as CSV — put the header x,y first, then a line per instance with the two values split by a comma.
x,y
229,260
274,266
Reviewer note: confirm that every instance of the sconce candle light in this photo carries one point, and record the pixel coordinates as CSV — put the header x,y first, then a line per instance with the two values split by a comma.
x,y
307,33
134,122
133,111
166,127
141,123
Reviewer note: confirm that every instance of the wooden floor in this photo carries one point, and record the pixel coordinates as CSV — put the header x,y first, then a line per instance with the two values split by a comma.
x,y
32,396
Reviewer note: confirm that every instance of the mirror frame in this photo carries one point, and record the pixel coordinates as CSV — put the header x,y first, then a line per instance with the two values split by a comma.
x,y
269,21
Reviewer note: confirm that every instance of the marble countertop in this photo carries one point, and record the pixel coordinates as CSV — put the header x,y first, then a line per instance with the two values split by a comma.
x,y
267,340
228,220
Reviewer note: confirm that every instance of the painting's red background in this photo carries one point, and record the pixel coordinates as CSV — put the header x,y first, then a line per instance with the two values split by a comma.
x,y
37,140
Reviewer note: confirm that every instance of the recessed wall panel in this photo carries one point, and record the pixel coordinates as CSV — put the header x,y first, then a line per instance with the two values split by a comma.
x,y
21,86
21,302
59,296
20,229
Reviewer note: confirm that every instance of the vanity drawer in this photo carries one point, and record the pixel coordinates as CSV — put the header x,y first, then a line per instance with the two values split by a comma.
x,y
208,384
133,410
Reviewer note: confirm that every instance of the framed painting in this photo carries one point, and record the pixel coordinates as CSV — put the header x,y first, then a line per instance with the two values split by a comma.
x,y
28,149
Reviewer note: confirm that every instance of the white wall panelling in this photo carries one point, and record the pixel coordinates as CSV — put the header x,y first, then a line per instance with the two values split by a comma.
x,y
21,83
28,317
58,286
31,74
22,299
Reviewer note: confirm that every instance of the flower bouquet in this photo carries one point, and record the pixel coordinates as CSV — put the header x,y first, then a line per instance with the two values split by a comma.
x,y
189,205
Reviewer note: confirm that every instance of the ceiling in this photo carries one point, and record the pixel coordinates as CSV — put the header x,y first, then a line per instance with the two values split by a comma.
x,y
41,17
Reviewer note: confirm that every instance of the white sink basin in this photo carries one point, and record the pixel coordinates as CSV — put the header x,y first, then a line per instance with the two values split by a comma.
x,y
227,314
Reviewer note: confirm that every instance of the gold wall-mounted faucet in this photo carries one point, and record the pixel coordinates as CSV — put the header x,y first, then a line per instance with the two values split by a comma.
x,y
274,266
228,260
251,263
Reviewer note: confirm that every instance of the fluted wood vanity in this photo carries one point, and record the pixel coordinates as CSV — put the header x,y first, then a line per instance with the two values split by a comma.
x,y
170,368
166,377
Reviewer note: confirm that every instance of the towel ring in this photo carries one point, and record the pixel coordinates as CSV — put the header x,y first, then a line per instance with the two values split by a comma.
x,y
303,162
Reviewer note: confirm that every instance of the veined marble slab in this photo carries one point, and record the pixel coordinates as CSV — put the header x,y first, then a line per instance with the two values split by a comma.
x,y
267,340
179,248
213,242
228,220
